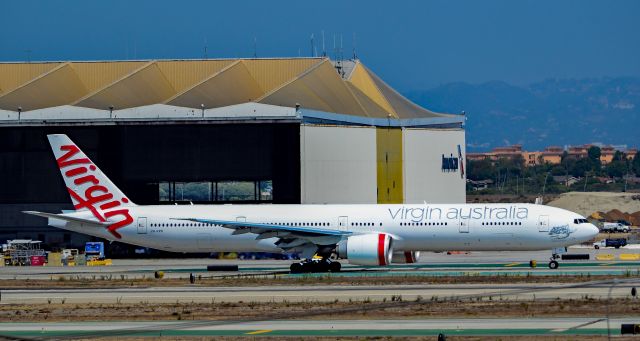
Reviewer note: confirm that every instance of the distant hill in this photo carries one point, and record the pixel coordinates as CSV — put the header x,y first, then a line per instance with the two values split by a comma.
x,y
551,112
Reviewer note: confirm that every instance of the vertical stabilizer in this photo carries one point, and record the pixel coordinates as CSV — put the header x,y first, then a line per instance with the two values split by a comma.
x,y
88,187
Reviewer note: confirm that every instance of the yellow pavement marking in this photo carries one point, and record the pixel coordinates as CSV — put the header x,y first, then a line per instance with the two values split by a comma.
x,y
512,264
605,256
259,332
629,256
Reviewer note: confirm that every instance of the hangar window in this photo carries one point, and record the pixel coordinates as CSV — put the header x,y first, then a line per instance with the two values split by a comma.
x,y
211,191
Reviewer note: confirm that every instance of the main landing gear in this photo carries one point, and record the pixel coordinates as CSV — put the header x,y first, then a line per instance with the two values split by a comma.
x,y
315,265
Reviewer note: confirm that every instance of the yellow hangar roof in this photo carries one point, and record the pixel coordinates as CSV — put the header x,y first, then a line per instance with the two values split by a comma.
x,y
315,83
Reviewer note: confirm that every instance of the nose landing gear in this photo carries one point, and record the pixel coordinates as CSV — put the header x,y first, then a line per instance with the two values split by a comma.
x,y
553,263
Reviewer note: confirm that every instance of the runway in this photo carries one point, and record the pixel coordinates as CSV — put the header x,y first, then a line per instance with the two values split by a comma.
x,y
315,293
431,264
417,327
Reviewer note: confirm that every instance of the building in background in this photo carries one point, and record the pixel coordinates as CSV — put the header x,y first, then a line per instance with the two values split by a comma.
x,y
283,131
552,154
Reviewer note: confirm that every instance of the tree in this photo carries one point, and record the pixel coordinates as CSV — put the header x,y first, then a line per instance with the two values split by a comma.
x,y
635,165
568,163
479,170
619,156
581,166
616,168
594,154
558,170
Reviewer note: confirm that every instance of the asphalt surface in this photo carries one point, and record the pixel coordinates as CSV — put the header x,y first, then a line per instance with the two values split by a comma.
x,y
430,264
324,293
451,327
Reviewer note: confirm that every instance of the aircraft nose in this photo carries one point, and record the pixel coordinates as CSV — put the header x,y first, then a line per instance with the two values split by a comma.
x,y
592,230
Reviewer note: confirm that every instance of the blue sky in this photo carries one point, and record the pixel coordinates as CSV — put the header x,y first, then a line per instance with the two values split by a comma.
x,y
411,44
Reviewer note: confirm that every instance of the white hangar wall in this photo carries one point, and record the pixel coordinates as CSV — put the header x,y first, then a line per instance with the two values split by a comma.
x,y
341,165
424,177
338,164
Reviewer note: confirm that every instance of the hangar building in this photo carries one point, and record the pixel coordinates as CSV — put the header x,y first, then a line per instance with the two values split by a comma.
x,y
291,130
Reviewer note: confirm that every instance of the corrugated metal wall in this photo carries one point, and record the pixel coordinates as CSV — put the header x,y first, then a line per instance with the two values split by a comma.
x,y
360,79
13,75
312,82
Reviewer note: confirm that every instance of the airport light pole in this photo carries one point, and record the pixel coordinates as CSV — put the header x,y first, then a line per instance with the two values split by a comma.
x,y
586,176
615,282
544,186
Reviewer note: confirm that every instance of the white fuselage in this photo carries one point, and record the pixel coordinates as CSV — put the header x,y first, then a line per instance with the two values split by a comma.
x,y
425,227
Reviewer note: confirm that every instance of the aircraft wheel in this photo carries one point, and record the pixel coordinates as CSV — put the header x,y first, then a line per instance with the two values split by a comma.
x,y
296,268
553,264
323,266
335,267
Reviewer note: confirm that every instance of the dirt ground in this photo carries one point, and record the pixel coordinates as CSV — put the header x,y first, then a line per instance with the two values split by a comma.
x,y
395,338
260,280
585,203
363,309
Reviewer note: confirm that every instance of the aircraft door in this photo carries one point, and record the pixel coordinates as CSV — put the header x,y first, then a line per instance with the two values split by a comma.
x,y
343,222
543,223
142,225
463,225
241,219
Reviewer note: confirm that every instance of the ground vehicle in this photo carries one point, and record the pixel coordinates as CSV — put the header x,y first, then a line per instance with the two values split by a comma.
x,y
624,222
94,251
69,257
611,242
614,227
21,251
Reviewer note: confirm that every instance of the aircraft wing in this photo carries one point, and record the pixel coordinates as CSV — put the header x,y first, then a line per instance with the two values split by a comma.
x,y
86,222
290,237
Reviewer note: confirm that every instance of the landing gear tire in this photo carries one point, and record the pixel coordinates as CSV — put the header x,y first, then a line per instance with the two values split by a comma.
x,y
315,266
297,268
335,266
553,264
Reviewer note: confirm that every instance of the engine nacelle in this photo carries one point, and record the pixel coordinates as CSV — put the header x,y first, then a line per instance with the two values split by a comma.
x,y
405,257
366,249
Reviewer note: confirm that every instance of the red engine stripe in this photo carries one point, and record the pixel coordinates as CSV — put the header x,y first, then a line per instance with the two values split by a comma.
x,y
408,256
382,260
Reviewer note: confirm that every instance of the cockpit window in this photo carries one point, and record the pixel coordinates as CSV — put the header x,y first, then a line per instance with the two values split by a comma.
x,y
580,221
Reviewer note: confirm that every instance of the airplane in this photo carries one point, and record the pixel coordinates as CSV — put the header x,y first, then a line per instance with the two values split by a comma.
x,y
365,234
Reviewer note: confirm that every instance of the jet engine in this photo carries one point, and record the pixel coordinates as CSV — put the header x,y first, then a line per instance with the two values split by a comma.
x,y
405,257
366,249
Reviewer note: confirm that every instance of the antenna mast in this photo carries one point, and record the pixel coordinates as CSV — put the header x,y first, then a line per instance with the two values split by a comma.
x,y
255,47
205,48
355,56
312,46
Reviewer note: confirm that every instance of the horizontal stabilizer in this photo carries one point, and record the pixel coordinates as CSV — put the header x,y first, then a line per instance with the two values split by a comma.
x,y
92,223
